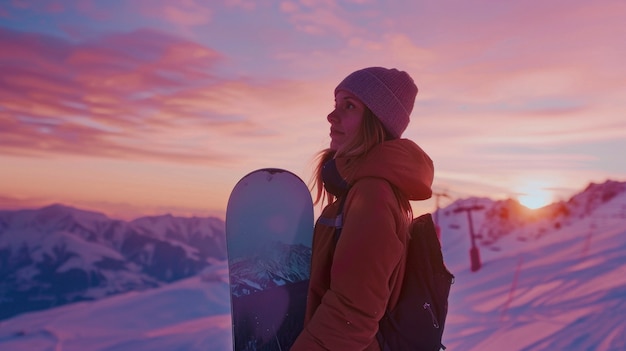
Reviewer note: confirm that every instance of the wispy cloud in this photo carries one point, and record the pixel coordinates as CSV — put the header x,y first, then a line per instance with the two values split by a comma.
x,y
318,18
140,94
183,13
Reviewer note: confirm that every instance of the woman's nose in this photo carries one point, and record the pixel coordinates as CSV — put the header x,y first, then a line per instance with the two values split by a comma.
x,y
332,117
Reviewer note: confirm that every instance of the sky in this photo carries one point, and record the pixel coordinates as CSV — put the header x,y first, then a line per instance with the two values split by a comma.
x,y
148,107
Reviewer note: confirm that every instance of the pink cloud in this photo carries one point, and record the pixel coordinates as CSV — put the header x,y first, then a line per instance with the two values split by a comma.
x,y
113,210
15,203
183,13
92,10
316,18
135,95
247,5
20,4
40,6
572,45
54,7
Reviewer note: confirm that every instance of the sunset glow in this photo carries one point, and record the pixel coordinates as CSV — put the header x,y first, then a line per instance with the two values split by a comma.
x,y
146,107
535,198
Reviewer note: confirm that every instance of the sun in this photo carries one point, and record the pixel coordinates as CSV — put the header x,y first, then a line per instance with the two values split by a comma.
x,y
534,195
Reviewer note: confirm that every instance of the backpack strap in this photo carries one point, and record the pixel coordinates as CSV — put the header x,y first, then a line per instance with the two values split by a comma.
x,y
337,221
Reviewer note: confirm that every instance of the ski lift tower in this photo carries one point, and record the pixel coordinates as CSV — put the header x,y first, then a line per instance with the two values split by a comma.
x,y
437,196
474,253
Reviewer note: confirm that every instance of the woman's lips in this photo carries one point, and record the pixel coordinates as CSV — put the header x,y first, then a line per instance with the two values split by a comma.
x,y
335,132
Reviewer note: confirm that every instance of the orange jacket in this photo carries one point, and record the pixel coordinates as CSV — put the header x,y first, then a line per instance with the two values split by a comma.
x,y
353,282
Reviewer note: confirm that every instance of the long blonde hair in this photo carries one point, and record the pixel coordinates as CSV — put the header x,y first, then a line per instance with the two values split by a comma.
x,y
370,133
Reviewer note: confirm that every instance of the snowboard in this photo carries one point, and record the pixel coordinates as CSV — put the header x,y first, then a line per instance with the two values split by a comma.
x,y
269,230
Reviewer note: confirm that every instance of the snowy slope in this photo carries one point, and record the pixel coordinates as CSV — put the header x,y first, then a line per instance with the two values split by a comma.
x,y
554,283
555,279
191,314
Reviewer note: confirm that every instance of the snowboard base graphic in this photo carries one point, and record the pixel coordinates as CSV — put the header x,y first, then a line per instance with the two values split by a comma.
x,y
269,228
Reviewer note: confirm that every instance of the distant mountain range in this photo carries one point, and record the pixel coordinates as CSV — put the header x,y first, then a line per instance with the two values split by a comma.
x,y
58,254
495,220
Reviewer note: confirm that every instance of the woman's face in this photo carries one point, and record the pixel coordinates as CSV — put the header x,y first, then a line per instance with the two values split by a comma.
x,y
345,119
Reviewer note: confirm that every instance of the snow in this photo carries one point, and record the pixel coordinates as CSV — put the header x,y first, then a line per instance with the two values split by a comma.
x,y
192,314
91,252
541,287
563,291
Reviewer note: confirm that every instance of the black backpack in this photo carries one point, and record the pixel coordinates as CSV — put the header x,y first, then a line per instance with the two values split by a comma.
x,y
416,323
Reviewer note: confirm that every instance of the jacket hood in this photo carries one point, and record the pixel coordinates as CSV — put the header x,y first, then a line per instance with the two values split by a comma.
x,y
401,162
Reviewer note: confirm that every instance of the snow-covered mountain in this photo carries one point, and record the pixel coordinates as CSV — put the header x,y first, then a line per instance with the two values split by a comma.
x,y
551,279
276,265
496,220
57,254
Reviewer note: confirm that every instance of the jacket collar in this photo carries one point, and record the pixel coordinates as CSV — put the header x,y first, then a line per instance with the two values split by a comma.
x,y
333,181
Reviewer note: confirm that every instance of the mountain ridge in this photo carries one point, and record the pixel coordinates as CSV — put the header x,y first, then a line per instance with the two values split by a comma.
x,y
59,254
548,287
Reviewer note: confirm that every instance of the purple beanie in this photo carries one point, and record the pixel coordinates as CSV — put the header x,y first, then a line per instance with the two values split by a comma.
x,y
388,93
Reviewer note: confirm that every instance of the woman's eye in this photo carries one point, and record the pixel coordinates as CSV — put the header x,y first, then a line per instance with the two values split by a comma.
x,y
350,106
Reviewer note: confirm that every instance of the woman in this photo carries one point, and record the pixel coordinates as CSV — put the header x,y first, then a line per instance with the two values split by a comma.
x,y
373,173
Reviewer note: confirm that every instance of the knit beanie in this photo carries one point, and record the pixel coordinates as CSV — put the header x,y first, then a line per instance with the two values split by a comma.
x,y
388,93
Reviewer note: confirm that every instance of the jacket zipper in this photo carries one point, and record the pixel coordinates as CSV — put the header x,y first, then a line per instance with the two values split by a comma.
x,y
432,314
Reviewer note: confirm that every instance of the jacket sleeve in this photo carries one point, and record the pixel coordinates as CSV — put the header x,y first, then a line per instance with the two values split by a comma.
x,y
366,257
